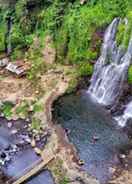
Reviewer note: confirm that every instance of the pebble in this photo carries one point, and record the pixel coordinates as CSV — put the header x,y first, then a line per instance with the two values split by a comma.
x,y
25,126
14,131
37,138
7,158
14,148
9,124
3,155
81,162
67,131
27,120
2,115
37,151
36,92
33,143
96,138
122,156
26,138
112,170
2,162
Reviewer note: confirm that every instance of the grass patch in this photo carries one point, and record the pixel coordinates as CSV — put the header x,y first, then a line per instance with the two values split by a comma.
x,y
6,109
36,124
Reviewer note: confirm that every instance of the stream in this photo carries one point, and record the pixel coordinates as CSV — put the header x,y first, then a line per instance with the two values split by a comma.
x,y
17,160
96,136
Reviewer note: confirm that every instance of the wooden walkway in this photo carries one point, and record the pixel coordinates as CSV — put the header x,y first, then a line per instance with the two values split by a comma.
x,y
40,164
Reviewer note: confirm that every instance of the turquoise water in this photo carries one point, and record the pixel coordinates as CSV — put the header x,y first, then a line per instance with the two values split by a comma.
x,y
87,121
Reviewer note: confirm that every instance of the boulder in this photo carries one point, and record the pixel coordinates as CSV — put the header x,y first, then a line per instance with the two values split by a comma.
x,y
4,62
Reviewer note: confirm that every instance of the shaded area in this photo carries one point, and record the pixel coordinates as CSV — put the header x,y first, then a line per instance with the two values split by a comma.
x,y
93,132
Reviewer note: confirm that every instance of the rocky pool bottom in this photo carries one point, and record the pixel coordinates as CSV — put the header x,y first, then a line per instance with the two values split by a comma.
x,y
100,143
16,154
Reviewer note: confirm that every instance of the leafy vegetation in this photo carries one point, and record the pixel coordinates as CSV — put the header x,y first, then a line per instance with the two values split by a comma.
x,y
22,109
76,29
36,124
6,109
130,75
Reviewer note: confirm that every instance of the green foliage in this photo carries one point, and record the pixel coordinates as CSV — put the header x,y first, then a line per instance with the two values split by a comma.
x,y
85,69
72,85
37,107
36,124
65,180
82,23
17,54
115,7
20,8
6,109
17,37
128,31
2,36
130,75
72,26
37,65
23,109
124,31
120,33
3,29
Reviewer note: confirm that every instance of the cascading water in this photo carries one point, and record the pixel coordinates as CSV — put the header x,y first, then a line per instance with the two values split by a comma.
x,y
122,120
111,69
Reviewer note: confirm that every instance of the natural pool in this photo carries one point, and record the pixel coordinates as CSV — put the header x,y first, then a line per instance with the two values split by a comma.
x,y
93,131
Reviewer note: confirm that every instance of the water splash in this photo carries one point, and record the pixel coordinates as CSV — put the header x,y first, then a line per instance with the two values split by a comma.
x,y
122,120
111,69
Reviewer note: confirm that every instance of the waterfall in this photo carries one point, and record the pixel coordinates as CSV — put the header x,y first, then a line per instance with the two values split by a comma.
x,y
110,71
122,120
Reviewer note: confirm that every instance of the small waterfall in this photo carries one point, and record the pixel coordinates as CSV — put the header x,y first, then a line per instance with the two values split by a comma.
x,y
111,68
122,120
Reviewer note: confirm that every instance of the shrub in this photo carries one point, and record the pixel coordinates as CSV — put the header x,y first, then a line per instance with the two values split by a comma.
x,y
22,109
17,54
130,75
72,86
85,69
6,109
17,37
38,65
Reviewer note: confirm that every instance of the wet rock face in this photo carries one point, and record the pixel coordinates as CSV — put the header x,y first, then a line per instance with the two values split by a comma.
x,y
128,127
